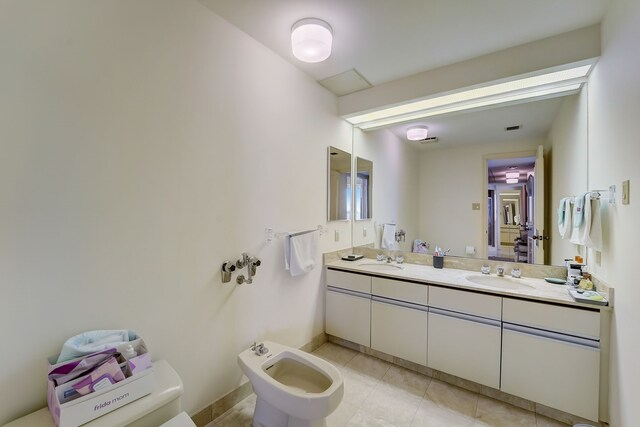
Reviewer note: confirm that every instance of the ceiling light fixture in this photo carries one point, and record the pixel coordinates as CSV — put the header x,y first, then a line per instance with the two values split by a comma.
x,y
311,40
552,83
417,133
512,175
512,180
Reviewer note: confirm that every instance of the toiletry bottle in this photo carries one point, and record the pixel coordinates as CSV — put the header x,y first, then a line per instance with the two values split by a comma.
x,y
128,352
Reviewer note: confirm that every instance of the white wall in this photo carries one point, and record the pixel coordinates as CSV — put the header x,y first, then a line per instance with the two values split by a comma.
x,y
143,143
567,164
614,153
395,186
451,179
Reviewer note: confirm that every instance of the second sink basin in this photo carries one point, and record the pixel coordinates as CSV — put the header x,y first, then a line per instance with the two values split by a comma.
x,y
498,282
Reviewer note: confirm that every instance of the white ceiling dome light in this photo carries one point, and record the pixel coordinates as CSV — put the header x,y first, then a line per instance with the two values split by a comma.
x,y
311,40
417,133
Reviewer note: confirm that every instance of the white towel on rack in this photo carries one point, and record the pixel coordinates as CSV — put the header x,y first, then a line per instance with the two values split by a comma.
x,y
580,227
301,252
389,237
594,239
564,217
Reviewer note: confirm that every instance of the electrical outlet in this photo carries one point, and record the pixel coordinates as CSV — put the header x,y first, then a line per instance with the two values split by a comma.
x,y
475,206
336,236
625,192
364,232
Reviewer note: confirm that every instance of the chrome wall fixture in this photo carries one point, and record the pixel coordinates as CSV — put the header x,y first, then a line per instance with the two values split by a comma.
x,y
251,262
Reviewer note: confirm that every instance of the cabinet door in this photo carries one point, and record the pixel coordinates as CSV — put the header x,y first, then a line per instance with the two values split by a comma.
x,y
348,316
558,371
465,346
399,329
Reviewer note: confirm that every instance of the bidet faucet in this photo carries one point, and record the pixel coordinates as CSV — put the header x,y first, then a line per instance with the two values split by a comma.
x,y
259,349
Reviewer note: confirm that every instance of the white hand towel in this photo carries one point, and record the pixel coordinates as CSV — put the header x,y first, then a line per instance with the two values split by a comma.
x,y
577,232
564,217
389,237
300,253
594,240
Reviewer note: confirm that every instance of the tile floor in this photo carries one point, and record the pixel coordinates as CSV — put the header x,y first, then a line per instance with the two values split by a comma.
x,y
377,393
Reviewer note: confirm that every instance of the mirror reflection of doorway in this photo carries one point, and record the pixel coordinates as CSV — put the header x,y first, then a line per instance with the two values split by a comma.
x,y
509,208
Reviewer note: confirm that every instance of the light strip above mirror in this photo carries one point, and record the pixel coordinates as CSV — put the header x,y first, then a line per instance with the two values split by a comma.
x,y
551,83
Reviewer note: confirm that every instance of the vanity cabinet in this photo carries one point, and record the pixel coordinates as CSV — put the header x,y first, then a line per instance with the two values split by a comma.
x,y
399,319
348,306
551,355
464,335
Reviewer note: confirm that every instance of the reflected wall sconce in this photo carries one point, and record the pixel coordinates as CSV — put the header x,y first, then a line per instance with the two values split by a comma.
x,y
311,40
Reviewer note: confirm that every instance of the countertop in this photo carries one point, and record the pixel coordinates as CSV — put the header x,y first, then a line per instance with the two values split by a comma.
x,y
528,288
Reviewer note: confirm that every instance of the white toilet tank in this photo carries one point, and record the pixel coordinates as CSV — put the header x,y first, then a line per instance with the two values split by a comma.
x,y
157,408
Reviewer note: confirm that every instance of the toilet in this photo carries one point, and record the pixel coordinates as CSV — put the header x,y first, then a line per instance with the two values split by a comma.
x,y
293,388
160,408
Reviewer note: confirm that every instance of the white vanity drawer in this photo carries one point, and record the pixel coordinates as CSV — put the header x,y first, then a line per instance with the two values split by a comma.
x,y
466,302
566,320
398,290
344,280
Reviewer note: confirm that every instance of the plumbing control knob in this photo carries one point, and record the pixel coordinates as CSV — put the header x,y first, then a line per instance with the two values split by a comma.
x,y
227,267
257,262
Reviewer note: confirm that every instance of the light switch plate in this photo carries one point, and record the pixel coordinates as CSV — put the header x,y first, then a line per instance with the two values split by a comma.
x,y
364,232
625,192
336,235
475,206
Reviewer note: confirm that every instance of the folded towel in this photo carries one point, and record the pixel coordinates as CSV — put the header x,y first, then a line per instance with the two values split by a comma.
x,y
92,342
389,237
564,216
578,232
301,252
594,240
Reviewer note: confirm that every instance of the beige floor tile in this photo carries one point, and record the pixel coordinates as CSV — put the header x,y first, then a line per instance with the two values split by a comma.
x,y
453,398
335,354
341,416
368,365
392,404
240,415
357,387
362,419
429,414
542,421
494,413
409,381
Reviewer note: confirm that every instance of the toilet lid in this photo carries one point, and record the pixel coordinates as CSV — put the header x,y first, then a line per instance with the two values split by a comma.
x,y
180,420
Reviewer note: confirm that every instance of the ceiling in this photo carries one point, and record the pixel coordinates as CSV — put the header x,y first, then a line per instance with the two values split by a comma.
x,y
386,40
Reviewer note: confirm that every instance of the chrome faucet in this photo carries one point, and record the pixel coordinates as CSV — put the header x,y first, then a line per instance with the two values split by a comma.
x,y
500,271
259,349
251,263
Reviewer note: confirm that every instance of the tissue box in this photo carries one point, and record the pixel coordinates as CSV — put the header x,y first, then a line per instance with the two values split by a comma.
x,y
69,410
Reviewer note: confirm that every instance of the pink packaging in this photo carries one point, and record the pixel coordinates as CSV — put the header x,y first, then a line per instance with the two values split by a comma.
x,y
103,376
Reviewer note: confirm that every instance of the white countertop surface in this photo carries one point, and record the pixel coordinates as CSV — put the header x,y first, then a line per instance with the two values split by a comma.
x,y
533,289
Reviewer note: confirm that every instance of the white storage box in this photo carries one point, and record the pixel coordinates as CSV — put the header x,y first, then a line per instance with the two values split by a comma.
x,y
81,410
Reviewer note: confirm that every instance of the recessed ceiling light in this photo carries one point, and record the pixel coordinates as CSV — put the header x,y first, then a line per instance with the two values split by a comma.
x,y
542,85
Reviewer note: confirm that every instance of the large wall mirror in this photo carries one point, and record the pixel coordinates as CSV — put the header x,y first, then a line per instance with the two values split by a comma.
x,y
338,185
454,192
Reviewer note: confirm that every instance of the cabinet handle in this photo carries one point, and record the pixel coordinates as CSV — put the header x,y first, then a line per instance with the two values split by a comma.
x,y
462,316
399,303
348,292
541,333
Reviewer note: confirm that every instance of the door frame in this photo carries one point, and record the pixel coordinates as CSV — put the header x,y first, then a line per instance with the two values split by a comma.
x,y
484,229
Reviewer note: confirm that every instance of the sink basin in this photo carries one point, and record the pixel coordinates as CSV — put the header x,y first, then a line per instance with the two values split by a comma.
x,y
381,266
498,282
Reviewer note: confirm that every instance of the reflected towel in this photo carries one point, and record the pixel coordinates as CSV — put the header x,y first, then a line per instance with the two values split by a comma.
x,y
594,239
564,217
579,224
389,237
300,252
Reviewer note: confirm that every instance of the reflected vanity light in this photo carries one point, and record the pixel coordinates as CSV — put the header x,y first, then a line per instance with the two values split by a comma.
x,y
311,40
512,180
544,85
512,175
417,133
